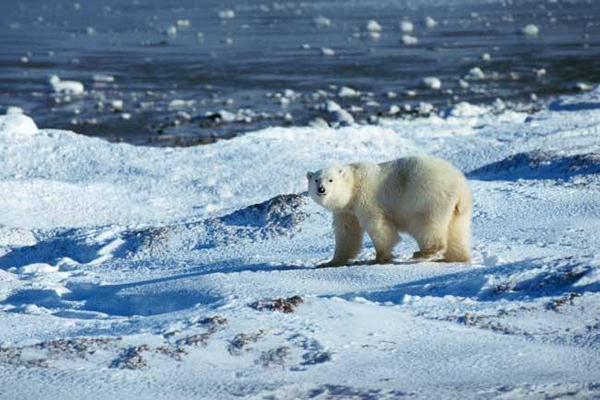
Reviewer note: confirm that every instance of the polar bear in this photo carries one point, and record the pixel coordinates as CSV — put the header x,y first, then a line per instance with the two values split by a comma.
x,y
423,196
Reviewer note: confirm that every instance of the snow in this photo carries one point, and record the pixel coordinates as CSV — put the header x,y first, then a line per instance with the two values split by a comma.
x,y
16,125
130,272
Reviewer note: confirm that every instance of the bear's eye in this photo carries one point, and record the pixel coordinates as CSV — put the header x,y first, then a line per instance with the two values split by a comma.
x,y
331,180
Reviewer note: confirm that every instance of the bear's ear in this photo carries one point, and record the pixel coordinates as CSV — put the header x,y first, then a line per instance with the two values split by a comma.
x,y
309,175
345,171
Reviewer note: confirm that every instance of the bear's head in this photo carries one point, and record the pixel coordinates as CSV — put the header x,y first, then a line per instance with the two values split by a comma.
x,y
331,187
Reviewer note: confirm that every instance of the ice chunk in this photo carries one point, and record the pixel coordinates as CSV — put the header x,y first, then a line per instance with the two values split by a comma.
x,y
326,51
171,31
584,87
475,73
66,87
432,82
322,22
373,26
425,108
103,78
336,113
226,14
37,268
430,22
117,105
409,40
530,30
374,35
464,109
406,26
346,91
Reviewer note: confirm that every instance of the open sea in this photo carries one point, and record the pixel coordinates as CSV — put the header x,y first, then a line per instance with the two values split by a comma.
x,y
179,73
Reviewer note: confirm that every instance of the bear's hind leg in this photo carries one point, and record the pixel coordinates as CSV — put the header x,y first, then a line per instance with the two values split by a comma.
x,y
459,238
431,235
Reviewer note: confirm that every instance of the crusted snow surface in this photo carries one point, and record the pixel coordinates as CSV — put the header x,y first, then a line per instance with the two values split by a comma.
x,y
130,272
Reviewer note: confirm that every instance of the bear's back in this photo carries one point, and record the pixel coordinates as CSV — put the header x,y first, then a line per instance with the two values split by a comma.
x,y
422,170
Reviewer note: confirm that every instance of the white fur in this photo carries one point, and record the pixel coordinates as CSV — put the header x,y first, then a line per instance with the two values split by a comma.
x,y
426,197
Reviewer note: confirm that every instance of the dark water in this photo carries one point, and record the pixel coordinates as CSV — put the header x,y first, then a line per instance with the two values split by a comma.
x,y
247,77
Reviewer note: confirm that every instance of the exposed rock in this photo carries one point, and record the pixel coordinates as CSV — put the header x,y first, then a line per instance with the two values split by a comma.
x,y
283,305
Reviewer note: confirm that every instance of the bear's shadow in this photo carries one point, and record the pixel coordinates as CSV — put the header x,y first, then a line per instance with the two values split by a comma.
x,y
371,262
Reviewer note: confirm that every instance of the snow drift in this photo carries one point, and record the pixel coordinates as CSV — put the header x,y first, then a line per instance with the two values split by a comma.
x,y
175,273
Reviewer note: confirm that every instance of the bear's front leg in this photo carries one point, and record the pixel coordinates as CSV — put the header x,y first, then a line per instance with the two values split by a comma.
x,y
384,236
348,239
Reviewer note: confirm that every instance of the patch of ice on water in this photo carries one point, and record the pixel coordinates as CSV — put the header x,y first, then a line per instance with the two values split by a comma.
x,y
226,14
409,40
373,26
406,26
432,82
530,30
322,21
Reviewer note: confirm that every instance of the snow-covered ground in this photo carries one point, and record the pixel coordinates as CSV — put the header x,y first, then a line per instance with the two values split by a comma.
x,y
131,272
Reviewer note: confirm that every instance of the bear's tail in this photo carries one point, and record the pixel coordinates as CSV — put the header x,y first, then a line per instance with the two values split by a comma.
x,y
459,233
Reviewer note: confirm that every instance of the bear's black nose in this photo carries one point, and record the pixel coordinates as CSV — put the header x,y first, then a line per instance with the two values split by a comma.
x,y
321,190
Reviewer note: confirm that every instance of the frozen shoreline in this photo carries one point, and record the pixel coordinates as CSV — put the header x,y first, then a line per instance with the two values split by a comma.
x,y
131,271
162,74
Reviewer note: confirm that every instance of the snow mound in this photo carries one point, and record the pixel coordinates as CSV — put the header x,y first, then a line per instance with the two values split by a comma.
x,y
81,246
577,168
465,109
279,216
521,280
16,237
17,125
172,267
